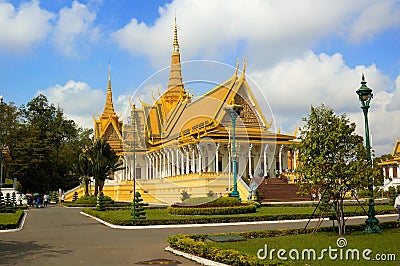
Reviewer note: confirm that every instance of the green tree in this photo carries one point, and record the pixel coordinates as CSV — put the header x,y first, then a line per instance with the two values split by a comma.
x,y
103,162
332,157
82,168
44,146
138,211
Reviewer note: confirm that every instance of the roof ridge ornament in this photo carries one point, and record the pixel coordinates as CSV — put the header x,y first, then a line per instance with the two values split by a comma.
x,y
175,44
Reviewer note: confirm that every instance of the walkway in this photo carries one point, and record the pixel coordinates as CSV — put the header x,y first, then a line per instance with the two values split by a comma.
x,y
62,236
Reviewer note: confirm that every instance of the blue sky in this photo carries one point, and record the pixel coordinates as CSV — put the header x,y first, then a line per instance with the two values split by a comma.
x,y
298,54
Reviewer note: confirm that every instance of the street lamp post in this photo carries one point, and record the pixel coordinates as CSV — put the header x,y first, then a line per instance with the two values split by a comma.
x,y
365,96
1,152
233,112
134,163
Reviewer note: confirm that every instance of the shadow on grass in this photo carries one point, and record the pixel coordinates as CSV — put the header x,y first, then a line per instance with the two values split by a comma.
x,y
19,251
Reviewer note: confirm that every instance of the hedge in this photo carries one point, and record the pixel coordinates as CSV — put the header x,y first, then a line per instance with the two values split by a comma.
x,y
211,219
194,244
12,225
212,210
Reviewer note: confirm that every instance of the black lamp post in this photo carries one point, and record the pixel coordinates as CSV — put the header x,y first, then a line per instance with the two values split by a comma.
x,y
365,95
1,152
233,111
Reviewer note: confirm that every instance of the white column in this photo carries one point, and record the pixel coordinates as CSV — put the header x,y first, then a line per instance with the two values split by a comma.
x,y
265,160
280,159
294,159
187,160
146,158
173,162
153,176
164,164
250,147
193,168
177,162
168,162
158,165
182,162
216,158
200,162
151,165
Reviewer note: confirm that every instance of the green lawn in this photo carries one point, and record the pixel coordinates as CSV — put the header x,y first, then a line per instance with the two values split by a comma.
x,y
385,243
123,216
10,220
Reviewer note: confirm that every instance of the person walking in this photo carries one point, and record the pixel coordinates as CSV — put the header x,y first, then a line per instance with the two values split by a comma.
x,y
397,205
62,199
45,200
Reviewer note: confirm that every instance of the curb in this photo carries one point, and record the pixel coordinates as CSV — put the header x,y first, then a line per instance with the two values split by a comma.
x,y
20,227
165,226
200,260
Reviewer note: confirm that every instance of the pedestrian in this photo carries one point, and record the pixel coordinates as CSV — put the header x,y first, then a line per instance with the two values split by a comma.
x,y
397,206
62,199
38,201
20,199
45,200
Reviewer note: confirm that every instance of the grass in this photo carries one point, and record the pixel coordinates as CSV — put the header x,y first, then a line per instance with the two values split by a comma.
x,y
263,213
10,220
384,243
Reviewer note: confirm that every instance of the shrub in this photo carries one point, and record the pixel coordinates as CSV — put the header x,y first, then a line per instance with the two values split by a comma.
x,y
226,201
138,206
54,196
185,195
212,210
392,195
75,197
2,204
100,202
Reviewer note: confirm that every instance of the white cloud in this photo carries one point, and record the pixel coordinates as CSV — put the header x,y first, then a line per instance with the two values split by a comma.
x,y
291,87
78,100
265,31
75,29
24,27
374,19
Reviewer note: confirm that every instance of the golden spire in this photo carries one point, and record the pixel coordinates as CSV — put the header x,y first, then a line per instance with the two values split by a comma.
x,y
175,44
175,92
109,107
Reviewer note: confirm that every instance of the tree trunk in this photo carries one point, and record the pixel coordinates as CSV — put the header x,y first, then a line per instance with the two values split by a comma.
x,y
340,216
87,180
96,187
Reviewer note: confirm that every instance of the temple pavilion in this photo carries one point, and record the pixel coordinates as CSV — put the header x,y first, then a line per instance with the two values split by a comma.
x,y
391,167
180,143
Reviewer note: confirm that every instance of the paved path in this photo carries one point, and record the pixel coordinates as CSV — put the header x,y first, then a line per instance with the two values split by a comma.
x,y
62,236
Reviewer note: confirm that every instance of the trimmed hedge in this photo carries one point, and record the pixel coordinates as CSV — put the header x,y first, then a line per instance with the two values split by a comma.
x,y
11,224
194,244
211,219
212,210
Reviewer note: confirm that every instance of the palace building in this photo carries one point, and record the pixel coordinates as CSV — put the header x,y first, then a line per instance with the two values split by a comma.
x,y
180,143
391,167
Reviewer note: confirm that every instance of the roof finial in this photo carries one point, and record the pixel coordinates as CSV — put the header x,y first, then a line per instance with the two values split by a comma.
x,y
175,44
363,82
237,66
109,71
109,107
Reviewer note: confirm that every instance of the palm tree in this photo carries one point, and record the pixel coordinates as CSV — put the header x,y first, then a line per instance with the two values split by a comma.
x,y
103,162
83,170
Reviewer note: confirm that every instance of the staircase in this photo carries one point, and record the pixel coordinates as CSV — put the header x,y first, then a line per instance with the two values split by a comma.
x,y
277,190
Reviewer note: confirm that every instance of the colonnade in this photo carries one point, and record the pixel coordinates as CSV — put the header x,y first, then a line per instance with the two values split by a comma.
x,y
257,159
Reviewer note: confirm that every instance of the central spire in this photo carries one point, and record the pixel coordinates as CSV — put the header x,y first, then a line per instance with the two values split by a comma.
x,y
109,107
175,91
175,44
175,84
